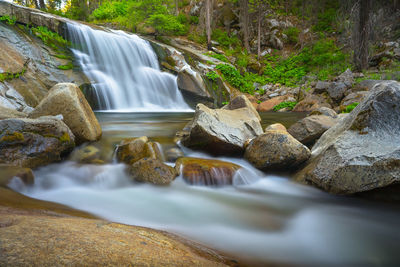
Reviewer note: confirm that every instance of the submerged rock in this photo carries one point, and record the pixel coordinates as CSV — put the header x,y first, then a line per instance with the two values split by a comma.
x,y
8,172
34,142
221,131
362,151
148,170
309,129
131,150
68,100
173,154
87,154
276,149
197,171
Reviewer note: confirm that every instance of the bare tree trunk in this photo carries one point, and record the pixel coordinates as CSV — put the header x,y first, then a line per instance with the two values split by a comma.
x,y
208,23
244,17
176,7
363,32
37,6
259,33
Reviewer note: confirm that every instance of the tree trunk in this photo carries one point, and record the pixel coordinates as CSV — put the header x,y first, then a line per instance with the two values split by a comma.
x,y
259,33
363,32
37,6
244,17
176,7
208,23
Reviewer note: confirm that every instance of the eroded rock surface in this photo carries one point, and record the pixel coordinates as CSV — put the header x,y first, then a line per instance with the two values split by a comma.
x,y
362,151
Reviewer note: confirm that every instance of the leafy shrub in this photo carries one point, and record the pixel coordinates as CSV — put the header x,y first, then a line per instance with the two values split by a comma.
x,y
9,20
234,78
167,24
293,34
350,107
194,19
218,56
212,75
109,10
289,105
50,38
223,38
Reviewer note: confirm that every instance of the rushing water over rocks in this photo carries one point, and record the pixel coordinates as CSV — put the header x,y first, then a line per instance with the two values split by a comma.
x,y
124,71
259,219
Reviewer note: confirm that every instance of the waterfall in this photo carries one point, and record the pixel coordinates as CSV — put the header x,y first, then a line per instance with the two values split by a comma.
x,y
124,71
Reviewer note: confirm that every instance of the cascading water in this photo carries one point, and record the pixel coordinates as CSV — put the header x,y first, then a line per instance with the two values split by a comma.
x,y
124,71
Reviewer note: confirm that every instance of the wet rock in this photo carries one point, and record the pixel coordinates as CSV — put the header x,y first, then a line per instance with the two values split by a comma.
x,y
87,154
360,153
7,113
34,142
191,83
276,150
7,172
197,171
68,100
311,103
131,150
148,170
221,131
309,129
325,111
271,103
276,127
173,154
356,97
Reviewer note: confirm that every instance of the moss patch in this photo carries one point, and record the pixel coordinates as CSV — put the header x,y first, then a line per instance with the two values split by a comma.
x,y
12,137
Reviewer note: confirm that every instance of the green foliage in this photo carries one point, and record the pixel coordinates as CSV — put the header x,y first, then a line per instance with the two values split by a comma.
x,y
212,75
194,19
9,20
350,107
225,103
223,38
288,105
6,76
110,10
217,56
234,78
293,34
198,38
323,59
50,38
167,24
68,66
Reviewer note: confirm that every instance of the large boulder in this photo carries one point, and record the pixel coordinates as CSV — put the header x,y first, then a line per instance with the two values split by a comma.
x,y
190,83
68,100
269,104
221,131
362,151
309,129
34,142
242,101
197,171
276,149
149,170
310,103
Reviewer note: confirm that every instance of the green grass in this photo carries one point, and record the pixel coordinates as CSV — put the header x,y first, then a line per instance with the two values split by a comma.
x,y
289,105
9,20
350,107
68,66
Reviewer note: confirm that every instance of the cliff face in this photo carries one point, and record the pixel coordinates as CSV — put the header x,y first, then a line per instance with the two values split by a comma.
x,y
29,67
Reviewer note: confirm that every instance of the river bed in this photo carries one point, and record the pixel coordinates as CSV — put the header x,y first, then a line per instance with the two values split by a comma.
x,y
262,218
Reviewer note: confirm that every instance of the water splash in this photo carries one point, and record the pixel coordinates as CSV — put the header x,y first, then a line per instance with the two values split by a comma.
x,y
124,71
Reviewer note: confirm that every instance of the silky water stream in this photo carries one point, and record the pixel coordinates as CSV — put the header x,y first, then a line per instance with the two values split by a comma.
x,y
262,218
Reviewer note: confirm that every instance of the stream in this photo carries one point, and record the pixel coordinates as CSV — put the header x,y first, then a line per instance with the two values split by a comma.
x,y
262,218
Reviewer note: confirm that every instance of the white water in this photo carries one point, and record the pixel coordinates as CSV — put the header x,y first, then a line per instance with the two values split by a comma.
x,y
261,218
124,71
